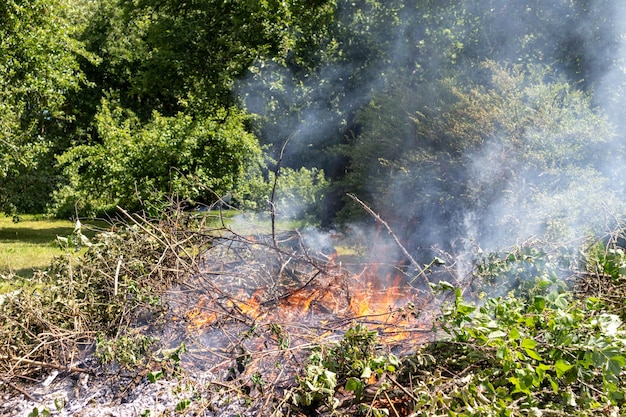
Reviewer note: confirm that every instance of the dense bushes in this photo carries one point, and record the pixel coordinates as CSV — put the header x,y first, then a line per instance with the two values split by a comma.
x,y
521,153
194,158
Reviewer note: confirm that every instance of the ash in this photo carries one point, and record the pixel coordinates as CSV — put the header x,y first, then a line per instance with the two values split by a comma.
x,y
122,396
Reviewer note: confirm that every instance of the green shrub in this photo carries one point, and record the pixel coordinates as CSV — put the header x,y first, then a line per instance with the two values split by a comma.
x,y
518,153
194,158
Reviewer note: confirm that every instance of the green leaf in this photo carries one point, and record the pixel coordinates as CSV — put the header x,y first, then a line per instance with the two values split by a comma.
x,y
154,376
558,300
528,344
489,387
531,353
330,378
514,334
615,364
555,386
183,404
367,372
354,384
561,367
465,308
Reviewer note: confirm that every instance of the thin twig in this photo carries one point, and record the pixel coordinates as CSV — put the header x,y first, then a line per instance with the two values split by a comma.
x,y
391,404
272,204
406,391
117,275
395,238
49,365
20,390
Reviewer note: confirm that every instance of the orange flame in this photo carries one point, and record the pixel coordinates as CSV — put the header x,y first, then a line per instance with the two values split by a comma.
x,y
363,296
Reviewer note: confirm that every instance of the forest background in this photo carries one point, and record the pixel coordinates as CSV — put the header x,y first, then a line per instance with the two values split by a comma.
x,y
490,121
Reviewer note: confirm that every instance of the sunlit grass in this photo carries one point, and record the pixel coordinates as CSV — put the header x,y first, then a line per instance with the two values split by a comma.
x,y
30,244
247,223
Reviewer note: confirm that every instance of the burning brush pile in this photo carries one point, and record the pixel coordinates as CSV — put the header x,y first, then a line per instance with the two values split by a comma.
x,y
261,303
258,281
258,290
186,315
240,310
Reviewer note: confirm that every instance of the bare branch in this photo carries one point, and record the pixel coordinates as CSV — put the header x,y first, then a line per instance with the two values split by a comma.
x,y
406,253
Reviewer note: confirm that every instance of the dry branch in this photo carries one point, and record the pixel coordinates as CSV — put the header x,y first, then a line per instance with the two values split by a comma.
x,y
274,185
406,253
39,364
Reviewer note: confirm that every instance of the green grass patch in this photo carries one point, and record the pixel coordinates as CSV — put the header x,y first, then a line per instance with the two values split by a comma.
x,y
30,244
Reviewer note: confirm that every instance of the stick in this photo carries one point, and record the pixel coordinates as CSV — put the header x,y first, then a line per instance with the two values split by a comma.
x,y
272,205
407,392
117,276
395,238
20,390
391,404
50,365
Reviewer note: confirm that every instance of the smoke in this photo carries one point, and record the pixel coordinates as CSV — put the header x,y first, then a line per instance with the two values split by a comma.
x,y
611,93
545,163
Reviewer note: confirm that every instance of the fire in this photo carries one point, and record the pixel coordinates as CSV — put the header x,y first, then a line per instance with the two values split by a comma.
x,y
378,301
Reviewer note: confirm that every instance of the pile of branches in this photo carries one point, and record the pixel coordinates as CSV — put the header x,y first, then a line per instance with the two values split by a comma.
x,y
546,340
100,287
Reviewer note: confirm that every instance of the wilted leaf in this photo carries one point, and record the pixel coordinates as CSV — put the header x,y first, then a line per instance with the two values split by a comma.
x,y
496,334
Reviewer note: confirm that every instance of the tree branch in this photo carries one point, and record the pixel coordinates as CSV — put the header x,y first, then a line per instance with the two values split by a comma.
x,y
406,253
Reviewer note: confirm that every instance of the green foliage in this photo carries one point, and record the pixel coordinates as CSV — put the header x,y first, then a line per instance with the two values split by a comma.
x,y
182,405
515,155
605,275
301,65
352,364
108,288
606,261
38,66
299,193
517,356
538,350
524,269
195,159
316,384
351,356
127,351
165,54
44,412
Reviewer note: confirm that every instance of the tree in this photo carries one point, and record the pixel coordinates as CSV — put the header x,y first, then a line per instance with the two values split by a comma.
x,y
141,163
171,67
519,155
38,67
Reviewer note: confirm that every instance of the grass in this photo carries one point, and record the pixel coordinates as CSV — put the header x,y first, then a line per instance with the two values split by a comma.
x,y
30,244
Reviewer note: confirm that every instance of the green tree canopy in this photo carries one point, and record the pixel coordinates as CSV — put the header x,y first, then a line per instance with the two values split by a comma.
x,y
38,67
137,162
520,154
